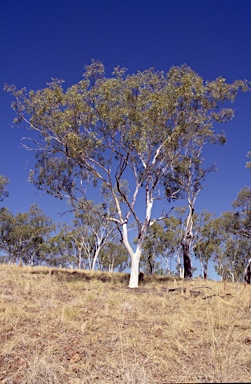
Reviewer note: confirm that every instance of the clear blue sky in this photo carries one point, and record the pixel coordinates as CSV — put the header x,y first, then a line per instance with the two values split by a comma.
x,y
40,39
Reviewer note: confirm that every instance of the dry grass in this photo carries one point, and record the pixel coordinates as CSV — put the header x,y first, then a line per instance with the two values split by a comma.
x,y
58,326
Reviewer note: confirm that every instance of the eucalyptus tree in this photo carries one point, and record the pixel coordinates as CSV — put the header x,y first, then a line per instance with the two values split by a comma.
x,y
207,240
162,245
234,251
60,250
234,232
90,232
188,175
24,237
174,226
113,257
154,247
123,133
242,205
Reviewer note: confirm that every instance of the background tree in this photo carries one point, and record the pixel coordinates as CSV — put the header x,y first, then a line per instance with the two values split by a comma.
x,y
24,237
90,232
154,247
162,245
174,226
189,176
61,250
207,241
106,131
229,255
242,205
113,257
234,231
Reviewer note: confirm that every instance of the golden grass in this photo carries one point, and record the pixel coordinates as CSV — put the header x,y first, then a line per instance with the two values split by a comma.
x,y
61,326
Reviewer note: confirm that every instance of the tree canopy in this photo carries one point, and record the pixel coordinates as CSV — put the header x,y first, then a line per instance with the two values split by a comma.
x,y
23,237
124,134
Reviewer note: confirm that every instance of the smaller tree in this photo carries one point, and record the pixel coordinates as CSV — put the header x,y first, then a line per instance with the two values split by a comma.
x,y
206,241
113,257
90,232
188,179
60,250
242,204
235,249
154,247
24,236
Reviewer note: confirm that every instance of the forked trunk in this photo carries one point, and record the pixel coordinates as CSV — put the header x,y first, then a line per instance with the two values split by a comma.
x,y
135,256
134,276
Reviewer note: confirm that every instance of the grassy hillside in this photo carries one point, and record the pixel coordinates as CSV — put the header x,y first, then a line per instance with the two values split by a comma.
x,y
59,326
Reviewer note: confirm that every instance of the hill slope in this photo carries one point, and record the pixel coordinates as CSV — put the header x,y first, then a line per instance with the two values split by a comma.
x,y
58,326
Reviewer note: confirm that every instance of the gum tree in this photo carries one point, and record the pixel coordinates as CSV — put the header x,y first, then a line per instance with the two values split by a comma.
x,y
113,257
154,247
242,205
90,232
24,237
122,133
233,231
189,176
207,241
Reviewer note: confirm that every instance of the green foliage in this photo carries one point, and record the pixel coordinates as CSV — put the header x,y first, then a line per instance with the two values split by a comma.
x,y
90,232
234,231
142,121
23,237
243,206
162,249
60,251
154,246
207,241
113,257
105,131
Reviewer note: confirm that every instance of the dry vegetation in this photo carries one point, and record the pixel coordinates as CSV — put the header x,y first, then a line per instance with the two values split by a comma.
x,y
58,326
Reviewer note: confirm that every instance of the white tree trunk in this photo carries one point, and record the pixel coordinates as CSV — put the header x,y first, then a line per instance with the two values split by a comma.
x,y
79,258
180,268
95,258
134,276
135,256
